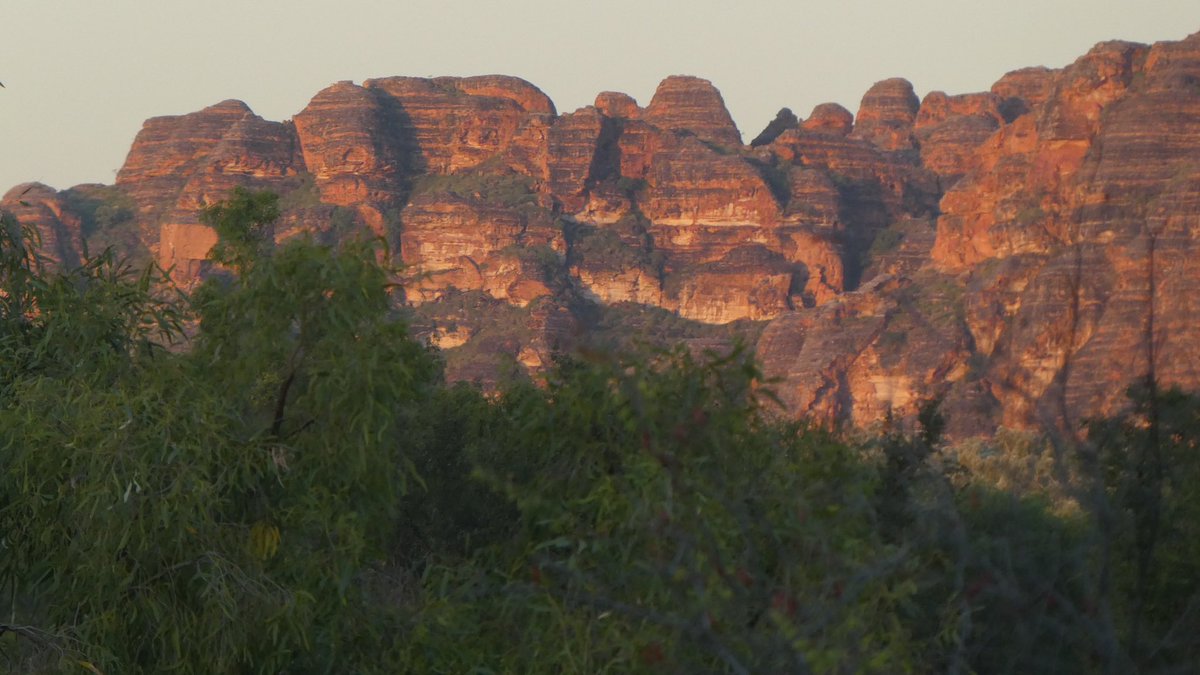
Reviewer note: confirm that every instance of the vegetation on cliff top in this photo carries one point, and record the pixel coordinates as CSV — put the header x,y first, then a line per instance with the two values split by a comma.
x,y
298,491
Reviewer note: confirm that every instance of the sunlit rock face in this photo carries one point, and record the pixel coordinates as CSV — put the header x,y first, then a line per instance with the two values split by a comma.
x,y
1021,254
950,128
449,124
350,146
1076,218
179,165
869,355
466,244
693,106
886,115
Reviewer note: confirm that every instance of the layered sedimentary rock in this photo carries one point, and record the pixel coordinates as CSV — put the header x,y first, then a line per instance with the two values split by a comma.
x,y
749,282
471,245
689,183
1021,254
887,113
178,164
830,118
450,124
1082,212
576,145
693,105
950,128
1023,90
40,208
872,354
351,146
617,106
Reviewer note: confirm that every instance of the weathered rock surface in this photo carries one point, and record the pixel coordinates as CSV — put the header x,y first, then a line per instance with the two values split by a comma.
x,y
40,207
830,118
178,165
449,124
472,245
693,105
616,105
875,353
351,146
1021,254
580,145
887,113
1073,221
950,128
1023,90
689,183
174,160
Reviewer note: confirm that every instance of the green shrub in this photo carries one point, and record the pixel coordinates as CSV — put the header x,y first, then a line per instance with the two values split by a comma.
x,y
511,190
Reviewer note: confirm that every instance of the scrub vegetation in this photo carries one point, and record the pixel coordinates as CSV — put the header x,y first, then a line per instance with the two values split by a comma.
x,y
272,476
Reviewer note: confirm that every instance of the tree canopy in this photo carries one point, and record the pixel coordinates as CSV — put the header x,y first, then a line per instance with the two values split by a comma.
x,y
270,475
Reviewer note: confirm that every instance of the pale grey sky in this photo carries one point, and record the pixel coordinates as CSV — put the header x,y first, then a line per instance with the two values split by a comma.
x,y
82,75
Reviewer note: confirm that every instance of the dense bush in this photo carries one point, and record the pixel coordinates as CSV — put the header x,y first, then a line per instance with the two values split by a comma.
x,y
108,218
271,476
664,524
213,510
512,190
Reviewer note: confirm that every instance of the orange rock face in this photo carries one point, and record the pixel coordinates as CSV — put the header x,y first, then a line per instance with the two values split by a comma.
x,y
865,357
577,147
886,115
688,183
1021,254
693,105
471,245
950,128
829,118
449,124
350,146
1073,211
617,106
178,164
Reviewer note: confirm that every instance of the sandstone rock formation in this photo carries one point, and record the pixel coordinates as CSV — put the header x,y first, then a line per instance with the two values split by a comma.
x,y
1021,254
39,207
351,146
887,113
785,119
180,164
693,105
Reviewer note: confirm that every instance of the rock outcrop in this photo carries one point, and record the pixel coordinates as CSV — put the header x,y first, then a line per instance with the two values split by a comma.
x,y
178,164
1021,255
351,146
693,105
950,128
785,119
40,208
448,124
887,113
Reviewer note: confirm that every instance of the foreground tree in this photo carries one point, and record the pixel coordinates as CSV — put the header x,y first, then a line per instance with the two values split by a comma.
x,y
270,477
665,525
215,510
1146,466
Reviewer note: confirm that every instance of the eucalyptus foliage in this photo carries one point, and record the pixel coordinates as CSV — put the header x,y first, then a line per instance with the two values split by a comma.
x,y
269,475
212,509
664,523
